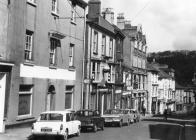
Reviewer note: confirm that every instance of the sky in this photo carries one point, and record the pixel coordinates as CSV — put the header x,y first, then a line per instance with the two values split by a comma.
x,y
167,24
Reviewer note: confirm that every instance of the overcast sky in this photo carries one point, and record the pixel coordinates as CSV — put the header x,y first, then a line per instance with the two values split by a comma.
x,y
168,24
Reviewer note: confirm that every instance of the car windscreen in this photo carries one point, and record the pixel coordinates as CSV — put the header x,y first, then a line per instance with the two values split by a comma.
x,y
51,117
112,112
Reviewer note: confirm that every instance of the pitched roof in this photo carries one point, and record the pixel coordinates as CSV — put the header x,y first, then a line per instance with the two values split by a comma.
x,y
151,67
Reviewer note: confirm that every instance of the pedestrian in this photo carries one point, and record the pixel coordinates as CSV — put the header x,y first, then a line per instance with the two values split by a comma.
x,y
165,114
144,111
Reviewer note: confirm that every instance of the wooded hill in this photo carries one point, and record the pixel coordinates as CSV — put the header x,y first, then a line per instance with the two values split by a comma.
x,y
183,62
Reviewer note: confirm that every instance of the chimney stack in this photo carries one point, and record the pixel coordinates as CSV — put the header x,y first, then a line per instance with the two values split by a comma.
x,y
94,9
108,15
121,21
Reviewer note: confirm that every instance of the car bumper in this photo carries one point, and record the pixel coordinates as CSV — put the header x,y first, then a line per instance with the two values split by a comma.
x,y
55,133
111,121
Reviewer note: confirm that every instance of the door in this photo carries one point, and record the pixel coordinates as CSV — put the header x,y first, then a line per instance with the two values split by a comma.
x,y
2,100
50,101
69,123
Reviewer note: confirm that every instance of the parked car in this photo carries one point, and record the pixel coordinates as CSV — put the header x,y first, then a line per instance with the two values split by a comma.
x,y
56,123
115,116
130,114
136,115
90,119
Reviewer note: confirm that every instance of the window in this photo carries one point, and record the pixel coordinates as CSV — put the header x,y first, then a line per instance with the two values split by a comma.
x,y
25,100
54,6
95,42
51,117
111,75
111,48
28,46
54,43
68,117
73,13
95,71
103,50
71,55
69,91
31,1
98,71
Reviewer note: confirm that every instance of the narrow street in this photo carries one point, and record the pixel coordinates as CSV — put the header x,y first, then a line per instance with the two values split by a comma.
x,y
151,129
138,131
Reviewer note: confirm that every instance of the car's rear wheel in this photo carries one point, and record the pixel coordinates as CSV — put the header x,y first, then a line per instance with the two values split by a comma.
x,y
79,130
95,128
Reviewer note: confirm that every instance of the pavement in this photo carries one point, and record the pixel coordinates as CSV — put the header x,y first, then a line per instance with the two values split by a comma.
x,y
188,128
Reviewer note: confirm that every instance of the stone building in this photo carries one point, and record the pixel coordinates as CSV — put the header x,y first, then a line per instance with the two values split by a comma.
x,y
135,73
103,38
40,67
152,94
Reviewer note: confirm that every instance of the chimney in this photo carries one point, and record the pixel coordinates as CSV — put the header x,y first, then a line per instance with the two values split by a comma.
x,y
121,21
108,15
94,9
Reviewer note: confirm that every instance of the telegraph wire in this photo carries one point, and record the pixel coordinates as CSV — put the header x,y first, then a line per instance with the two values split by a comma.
x,y
140,11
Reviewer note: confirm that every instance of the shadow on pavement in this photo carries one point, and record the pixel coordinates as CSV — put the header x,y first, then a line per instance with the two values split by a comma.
x,y
165,131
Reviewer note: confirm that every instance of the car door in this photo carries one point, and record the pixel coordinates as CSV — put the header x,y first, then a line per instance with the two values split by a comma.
x,y
69,123
74,123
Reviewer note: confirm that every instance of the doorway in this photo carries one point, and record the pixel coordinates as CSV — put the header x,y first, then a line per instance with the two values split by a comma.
x,y
2,100
50,101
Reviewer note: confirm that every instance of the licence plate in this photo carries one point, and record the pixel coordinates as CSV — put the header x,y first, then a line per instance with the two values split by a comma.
x,y
46,130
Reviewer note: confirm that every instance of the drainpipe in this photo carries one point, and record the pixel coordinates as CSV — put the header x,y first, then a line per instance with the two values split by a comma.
x,y
83,61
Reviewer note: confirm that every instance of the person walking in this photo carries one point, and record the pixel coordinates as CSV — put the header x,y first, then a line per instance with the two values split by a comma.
x,y
165,114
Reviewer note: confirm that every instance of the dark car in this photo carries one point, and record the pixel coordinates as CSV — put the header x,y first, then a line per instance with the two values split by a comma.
x,y
90,119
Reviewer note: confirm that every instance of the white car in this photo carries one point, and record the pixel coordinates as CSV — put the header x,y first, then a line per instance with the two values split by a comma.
x,y
59,123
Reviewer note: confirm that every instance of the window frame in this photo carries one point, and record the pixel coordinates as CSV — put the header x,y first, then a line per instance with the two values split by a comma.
x,y
28,51
69,92
73,13
29,92
103,45
95,71
111,52
53,51
54,8
95,42
71,55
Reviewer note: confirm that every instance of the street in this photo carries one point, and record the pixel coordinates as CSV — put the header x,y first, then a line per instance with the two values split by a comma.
x,y
144,130
148,129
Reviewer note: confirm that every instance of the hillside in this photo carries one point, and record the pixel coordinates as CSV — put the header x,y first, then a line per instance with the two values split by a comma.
x,y
183,62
